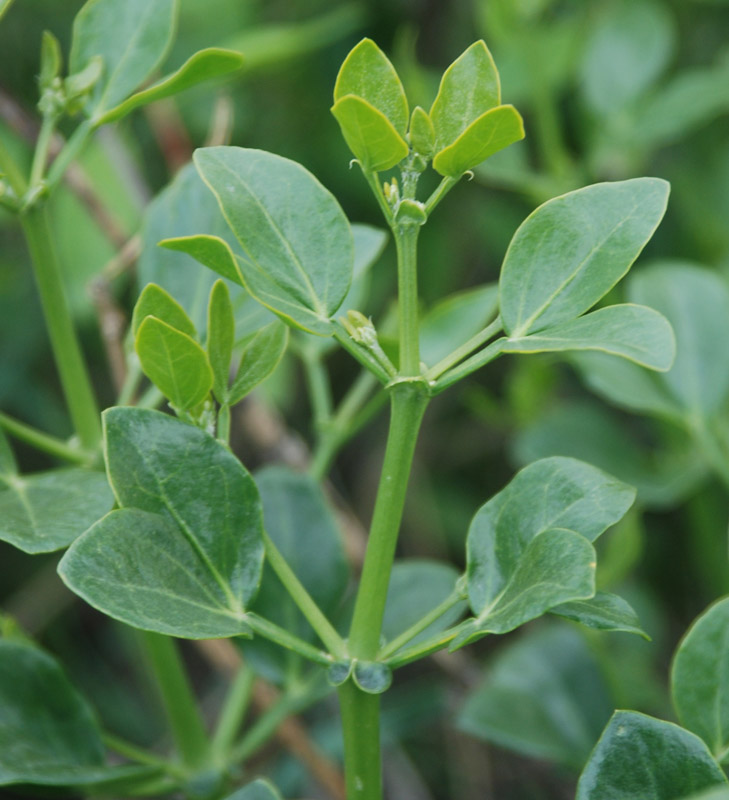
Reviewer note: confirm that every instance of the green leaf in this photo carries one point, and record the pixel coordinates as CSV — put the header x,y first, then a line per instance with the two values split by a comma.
x,y
296,516
368,74
469,88
262,353
629,48
369,134
213,62
552,493
421,132
46,511
544,695
372,677
154,301
573,249
640,756
174,362
8,465
132,37
291,228
212,252
700,678
51,61
492,131
635,332
184,554
221,337
696,302
604,611
47,730
258,790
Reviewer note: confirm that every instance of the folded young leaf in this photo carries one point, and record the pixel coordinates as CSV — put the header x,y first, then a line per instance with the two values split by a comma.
x,y
673,762
262,353
154,301
221,338
573,249
184,554
604,611
637,333
421,132
213,62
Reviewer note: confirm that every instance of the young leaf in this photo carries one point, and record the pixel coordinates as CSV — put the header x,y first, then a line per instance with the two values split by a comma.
x,y
604,611
637,333
261,355
132,37
174,362
213,62
184,554
368,74
673,763
258,790
700,678
291,228
154,301
573,249
51,60
221,337
48,733
469,88
421,132
492,131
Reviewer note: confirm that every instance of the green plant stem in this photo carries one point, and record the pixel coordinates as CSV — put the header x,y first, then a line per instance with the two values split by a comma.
x,y
69,153
320,391
40,156
66,350
140,756
392,647
233,712
465,349
476,361
43,441
361,354
406,240
321,625
274,633
374,183
224,423
425,648
441,190
183,714
360,714
131,382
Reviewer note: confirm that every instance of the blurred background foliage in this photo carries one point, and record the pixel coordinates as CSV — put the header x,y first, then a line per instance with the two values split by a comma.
x,y
609,89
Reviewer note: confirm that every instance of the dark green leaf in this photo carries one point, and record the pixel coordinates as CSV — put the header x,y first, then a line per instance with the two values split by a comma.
x,y
221,337
604,611
262,353
154,301
643,757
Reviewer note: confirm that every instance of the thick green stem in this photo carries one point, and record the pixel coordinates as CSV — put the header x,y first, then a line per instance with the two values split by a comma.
x,y
66,350
360,713
186,723
406,239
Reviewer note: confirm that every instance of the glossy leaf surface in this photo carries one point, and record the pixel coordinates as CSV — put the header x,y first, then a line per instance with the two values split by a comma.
x,y
573,249
154,301
183,556
604,611
261,354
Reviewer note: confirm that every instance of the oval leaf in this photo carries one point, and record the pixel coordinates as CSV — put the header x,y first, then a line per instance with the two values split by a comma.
x,y
604,612
262,353
573,249
154,301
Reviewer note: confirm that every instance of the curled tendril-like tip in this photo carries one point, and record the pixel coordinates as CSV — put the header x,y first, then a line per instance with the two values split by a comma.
x,y
353,162
469,174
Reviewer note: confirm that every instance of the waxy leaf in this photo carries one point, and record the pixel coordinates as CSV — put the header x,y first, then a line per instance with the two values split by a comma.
x,y
221,338
213,62
368,74
154,301
604,611
258,790
262,353
492,131
174,362
700,678
291,228
48,733
573,249
643,757
369,134
637,333
184,554
469,88
132,38
543,695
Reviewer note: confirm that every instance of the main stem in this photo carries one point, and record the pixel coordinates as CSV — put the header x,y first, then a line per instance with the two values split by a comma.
x,y
406,240
66,349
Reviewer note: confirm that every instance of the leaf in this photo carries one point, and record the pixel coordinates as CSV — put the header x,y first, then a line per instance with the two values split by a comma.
x,y
132,37
543,695
627,51
604,611
469,87
696,302
421,133
174,362
369,134
492,131
154,301
700,678
184,554
221,337
640,756
552,493
573,249
262,353
292,229
301,524
258,790
635,332
368,74
47,730
212,62
46,511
